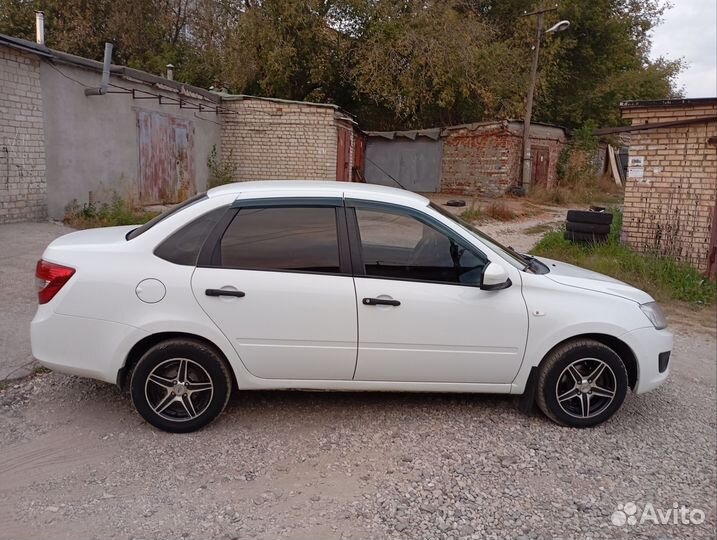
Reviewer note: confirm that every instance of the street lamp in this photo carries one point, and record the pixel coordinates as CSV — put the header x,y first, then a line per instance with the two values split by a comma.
x,y
559,27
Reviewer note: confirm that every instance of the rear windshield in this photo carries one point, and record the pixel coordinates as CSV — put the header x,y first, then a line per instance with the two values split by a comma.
x,y
134,233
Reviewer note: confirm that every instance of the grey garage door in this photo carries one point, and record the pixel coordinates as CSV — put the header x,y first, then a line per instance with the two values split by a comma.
x,y
415,164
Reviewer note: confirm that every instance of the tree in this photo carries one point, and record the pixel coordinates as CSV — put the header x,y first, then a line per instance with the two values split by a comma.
x,y
394,63
431,63
282,48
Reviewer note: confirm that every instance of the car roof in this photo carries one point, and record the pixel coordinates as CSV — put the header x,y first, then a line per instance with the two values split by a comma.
x,y
316,188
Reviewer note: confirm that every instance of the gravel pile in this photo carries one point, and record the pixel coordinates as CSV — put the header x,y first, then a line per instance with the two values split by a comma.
x,y
77,462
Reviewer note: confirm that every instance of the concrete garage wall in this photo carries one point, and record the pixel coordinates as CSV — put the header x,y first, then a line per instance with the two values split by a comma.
x,y
92,143
416,164
22,149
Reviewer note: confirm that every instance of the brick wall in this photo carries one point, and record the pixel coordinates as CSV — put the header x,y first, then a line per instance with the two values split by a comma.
x,y
479,162
486,160
273,140
669,210
22,140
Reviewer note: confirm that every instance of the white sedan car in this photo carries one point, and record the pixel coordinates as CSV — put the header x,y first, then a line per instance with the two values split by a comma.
x,y
335,286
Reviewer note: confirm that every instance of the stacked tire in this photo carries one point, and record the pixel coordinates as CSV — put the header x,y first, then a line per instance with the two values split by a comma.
x,y
588,226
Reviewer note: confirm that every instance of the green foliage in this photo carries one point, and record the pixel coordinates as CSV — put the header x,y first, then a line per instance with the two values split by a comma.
x,y
577,160
664,278
394,63
433,64
220,171
601,60
118,212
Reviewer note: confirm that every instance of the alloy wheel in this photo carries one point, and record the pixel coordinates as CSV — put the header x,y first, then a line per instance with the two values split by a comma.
x,y
586,387
178,389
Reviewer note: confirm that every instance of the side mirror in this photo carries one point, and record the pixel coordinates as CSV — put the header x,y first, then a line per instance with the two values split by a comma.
x,y
495,278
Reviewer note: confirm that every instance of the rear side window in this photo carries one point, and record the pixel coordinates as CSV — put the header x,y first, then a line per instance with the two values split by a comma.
x,y
280,238
134,233
183,246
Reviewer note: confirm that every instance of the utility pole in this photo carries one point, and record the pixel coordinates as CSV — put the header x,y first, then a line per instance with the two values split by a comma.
x,y
527,159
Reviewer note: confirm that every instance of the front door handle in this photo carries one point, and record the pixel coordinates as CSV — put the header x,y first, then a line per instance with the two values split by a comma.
x,y
224,292
380,302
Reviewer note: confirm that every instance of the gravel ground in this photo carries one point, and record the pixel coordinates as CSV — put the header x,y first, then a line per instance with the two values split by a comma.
x,y
21,245
77,462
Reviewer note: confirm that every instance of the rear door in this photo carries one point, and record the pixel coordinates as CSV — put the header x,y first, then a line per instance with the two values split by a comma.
x,y
278,284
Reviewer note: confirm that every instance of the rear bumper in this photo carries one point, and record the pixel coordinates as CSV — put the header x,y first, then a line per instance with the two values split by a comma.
x,y
80,346
648,344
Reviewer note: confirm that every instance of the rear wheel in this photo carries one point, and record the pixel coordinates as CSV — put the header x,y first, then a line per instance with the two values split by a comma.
x,y
581,384
180,385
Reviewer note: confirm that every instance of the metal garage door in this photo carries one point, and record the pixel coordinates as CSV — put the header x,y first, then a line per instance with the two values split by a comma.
x,y
410,159
166,158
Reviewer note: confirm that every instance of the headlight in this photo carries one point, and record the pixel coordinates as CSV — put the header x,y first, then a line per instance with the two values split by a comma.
x,y
653,312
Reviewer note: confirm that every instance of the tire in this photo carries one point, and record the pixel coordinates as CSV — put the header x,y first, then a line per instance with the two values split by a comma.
x,y
585,238
591,228
180,408
583,216
603,396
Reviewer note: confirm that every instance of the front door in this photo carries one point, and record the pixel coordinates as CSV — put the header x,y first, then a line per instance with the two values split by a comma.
x,y
422,315
279,288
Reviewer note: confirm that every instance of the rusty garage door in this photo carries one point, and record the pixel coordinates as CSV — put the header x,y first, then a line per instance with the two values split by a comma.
x,y
166,158
541,161
343,155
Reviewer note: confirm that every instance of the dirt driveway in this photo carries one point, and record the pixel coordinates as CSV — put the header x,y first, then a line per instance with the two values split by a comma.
x,y
77,462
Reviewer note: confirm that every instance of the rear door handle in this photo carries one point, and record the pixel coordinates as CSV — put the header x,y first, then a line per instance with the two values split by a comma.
x,y
380,302
224,292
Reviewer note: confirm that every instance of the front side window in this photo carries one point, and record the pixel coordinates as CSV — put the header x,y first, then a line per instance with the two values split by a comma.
x,y
399,246
278,238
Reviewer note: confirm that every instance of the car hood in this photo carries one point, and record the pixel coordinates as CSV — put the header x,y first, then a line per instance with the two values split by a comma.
x,y
574,276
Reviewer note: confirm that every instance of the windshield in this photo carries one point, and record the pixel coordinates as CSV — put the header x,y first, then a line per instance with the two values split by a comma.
x,y
134,233
515,258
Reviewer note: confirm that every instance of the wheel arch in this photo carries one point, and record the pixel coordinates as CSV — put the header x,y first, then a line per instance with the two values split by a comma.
x,y
147,342
621,348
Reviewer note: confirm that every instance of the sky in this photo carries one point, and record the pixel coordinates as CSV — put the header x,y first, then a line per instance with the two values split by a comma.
x,y
689,31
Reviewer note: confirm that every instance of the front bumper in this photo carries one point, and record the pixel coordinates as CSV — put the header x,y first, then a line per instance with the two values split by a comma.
x,y
648,344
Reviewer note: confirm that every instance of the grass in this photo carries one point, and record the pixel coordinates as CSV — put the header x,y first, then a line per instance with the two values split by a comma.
x,y
604,191
664,278
472,213
118,212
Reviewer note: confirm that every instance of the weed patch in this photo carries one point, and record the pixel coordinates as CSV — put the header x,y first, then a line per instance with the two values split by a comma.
x,y
500,212
118,212
664,278
472,213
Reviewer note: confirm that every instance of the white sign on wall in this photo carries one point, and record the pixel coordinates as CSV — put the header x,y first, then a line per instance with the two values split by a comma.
x,y
637,161
636,167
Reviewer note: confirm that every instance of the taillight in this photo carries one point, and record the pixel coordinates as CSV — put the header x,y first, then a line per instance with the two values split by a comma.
x,y
50,279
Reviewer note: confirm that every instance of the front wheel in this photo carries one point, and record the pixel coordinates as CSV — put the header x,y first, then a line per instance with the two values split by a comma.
x,y
581,384
180,385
